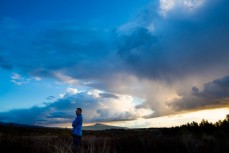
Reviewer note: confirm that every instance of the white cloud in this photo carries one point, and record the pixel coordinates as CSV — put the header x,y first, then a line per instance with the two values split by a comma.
x,y
72,91
165,6
108,109
18,79
68,91
66,79
192,4
62,95
95,93
38,78
168,5
15,76
100,106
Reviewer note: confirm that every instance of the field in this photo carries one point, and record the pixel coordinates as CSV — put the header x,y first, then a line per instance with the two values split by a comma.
x,y
190,138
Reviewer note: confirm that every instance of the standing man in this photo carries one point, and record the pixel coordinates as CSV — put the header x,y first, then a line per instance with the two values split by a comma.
x,y
77,128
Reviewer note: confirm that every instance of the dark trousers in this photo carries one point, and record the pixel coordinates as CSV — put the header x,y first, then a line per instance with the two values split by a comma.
x,y
76,140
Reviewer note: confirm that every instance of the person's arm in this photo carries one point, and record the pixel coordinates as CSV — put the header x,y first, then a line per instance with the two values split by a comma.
x,y
74,123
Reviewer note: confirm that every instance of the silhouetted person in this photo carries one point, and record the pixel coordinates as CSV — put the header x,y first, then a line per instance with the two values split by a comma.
x,y
77,128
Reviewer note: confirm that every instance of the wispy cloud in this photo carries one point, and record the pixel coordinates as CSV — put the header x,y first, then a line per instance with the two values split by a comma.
x,y
18,79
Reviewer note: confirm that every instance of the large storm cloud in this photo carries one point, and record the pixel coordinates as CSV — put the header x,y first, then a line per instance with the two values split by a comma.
x,y
154,56
97,106
214,94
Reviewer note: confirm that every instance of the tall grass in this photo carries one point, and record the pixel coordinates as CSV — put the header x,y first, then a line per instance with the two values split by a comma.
x,y
129,142
190,138
53,144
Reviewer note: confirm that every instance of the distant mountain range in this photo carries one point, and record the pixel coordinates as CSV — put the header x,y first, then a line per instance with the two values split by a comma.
x,y
99,126
95,127
20,125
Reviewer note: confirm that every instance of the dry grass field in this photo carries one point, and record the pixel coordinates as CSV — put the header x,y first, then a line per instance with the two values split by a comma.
x,y
190,138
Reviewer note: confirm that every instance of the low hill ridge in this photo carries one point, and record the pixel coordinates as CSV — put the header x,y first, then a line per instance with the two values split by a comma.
x,y
100,126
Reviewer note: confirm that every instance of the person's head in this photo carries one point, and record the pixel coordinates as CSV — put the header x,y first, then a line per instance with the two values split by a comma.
x,y
78,111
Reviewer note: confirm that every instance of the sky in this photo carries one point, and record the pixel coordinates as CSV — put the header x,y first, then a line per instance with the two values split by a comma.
x,y
138,64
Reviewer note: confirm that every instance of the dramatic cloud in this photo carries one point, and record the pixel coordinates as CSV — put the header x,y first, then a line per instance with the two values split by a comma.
x,y
178,46
215,93
187,44
169,47
96,105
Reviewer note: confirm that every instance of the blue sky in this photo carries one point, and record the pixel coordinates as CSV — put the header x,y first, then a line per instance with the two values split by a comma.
x,y
120,61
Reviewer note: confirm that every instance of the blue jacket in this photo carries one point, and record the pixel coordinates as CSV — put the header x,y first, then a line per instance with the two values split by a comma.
x,y
77,125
